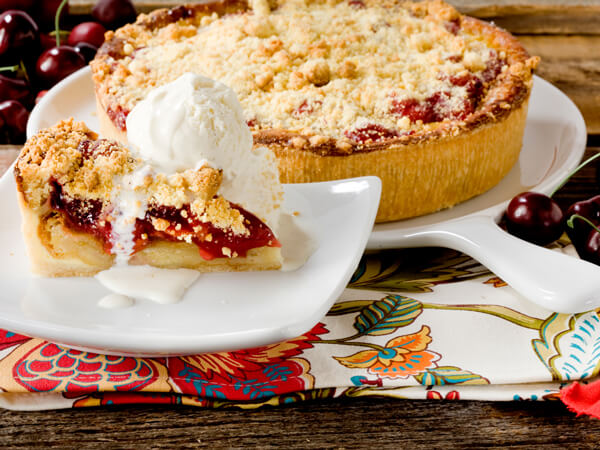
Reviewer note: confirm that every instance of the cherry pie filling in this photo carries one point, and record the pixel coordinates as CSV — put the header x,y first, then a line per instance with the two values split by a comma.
x,y
438,107
90,216
118,116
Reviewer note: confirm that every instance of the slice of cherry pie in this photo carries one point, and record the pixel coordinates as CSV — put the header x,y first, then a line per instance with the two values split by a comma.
x,y
72,188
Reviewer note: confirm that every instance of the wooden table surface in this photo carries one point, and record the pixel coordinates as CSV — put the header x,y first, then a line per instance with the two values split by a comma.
x,y
566,34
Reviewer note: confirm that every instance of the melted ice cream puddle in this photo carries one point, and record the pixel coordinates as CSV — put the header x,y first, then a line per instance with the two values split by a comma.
x,y
152,283
113,301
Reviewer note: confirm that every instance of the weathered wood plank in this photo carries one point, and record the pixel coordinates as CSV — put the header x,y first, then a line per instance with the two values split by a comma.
x,y
518,16
346,423
572,63
542,20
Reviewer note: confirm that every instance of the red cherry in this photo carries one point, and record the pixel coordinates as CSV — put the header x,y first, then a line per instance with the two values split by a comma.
x,y
16,4
114,13
535,218
55,64
15,117
48,41
19,35
46,12
86,50
40,95
89,32
14,89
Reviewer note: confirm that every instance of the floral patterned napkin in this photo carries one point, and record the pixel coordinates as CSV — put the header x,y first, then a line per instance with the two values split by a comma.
x,y
413,323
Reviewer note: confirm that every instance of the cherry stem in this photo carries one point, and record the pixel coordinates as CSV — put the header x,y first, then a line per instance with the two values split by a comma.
x,y
20,66
61,33
24,70
57,20
585,219
574,171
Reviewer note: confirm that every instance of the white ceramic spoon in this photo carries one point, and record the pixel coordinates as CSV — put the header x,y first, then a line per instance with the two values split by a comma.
x,y
553,145
549,278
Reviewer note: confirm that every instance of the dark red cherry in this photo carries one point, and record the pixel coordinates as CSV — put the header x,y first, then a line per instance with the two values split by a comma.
x,y
40,95
14,89
89,32
86,50
535,218
590,251
24,5
46,12
15,117
581,231
19,35
114,13
47,41
55,64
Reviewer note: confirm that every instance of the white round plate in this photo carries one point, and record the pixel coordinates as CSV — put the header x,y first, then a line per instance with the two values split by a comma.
x,y
221,311
554,143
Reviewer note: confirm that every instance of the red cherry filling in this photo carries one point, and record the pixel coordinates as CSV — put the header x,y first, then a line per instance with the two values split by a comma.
x,y
358,4
370,133
471,82
453,26
441,105
209,239
100,147
82,215
493,67
306,108
89,216
118,116
434,108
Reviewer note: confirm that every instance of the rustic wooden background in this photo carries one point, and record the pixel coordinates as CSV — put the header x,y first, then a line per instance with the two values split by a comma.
x,y
566,34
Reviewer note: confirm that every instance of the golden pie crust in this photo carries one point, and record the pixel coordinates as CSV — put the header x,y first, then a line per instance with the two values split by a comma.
x,y
425,165
57,249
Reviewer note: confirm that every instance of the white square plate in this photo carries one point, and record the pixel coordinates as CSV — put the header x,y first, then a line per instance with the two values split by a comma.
x,y
221,311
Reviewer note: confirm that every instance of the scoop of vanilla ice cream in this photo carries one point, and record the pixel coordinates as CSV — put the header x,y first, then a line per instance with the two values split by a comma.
x,y
196,120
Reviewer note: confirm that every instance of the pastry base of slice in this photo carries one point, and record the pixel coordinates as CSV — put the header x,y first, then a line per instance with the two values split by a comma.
x,y
56,250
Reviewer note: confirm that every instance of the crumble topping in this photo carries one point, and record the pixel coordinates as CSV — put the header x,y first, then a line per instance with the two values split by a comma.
x,y
321,68
88,171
